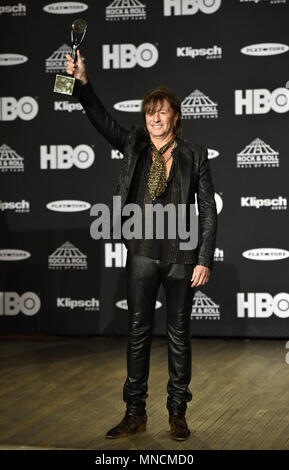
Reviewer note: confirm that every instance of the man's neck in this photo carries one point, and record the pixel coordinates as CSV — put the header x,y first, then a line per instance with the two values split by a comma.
x,y
161,141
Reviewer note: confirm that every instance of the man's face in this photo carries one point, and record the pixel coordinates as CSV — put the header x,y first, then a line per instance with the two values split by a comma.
x,y
161,121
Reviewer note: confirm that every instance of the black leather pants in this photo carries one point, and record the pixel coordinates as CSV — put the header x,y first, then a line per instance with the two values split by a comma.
x,y
144,276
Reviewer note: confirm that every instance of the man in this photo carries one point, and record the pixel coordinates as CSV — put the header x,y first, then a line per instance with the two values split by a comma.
x,y
159,167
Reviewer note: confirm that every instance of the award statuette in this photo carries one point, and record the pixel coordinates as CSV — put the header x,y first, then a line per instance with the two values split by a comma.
x,y
66,84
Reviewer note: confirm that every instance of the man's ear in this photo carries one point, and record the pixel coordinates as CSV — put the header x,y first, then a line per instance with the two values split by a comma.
x,y
177,117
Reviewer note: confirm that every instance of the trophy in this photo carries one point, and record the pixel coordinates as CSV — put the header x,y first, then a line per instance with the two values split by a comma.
x,y
66,84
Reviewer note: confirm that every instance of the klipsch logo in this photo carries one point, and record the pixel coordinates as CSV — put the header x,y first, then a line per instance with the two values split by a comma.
x,y
197,105
277,203
12,59
128,106
190,7
67,256
25,108
125,10
16,206
261,101
265,49
262,305
123,304
67,106
14,10
64,157
214,52
65,8
68,303
10,160
10,254
11,303
68,206
257,154
127,56
204,308
266,254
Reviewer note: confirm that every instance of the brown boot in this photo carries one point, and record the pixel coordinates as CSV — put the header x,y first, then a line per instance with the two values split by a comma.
x,y
128,426
179,428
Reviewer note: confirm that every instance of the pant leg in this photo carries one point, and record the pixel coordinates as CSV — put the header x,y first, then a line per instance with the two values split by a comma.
x,y
179,298
143,280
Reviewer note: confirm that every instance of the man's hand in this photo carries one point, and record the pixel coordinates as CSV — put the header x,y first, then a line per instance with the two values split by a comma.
x,y
200,275
76,69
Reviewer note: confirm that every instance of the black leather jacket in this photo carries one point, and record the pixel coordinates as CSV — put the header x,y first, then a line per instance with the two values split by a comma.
x,y
193,162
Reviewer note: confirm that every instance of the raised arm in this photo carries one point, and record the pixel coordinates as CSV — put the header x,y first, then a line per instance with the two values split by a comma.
x,y
95,110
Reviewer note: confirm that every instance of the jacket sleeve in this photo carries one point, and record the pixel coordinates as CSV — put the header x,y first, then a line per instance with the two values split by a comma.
x,y
207,213
100,117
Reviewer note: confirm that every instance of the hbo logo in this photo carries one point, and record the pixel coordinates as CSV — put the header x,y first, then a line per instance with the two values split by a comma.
x,y
25,108
190,7
12,303
263,305
261,101
63,157
127,56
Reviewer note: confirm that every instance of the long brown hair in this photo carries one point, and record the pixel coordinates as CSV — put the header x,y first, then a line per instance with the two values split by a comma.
x,y
158,94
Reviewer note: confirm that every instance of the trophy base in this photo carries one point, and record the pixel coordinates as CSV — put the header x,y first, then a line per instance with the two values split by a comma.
x,y
66,85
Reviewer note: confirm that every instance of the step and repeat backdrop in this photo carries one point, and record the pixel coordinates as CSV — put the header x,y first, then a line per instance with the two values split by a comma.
x,y
228,61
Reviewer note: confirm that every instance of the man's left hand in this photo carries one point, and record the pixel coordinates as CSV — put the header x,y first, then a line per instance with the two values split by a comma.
x,y
200,275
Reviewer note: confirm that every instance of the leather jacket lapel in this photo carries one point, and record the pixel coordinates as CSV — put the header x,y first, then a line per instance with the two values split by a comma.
x,y
134,156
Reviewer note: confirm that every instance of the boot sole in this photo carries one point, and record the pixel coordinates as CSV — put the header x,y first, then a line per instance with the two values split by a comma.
x,y
179,438
141,428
